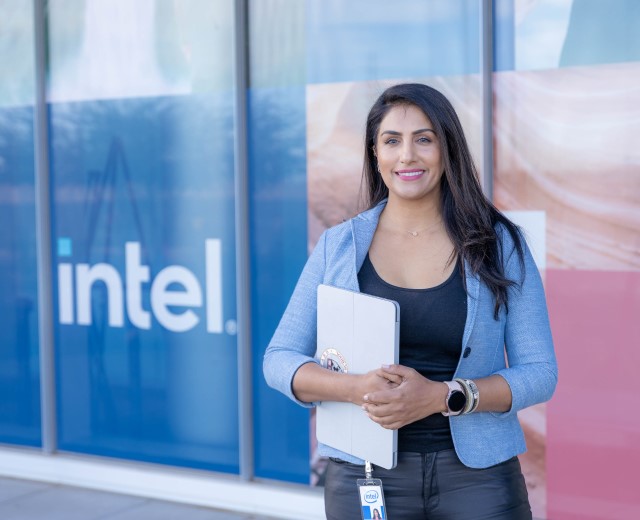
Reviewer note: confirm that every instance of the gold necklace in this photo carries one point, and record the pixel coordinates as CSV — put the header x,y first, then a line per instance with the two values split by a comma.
x,y
417,232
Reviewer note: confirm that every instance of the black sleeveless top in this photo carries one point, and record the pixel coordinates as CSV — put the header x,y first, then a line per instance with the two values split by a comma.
x,y
431,328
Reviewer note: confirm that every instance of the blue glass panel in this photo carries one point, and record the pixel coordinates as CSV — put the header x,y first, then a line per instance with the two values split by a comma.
x,y
143,197
142,139
376,39
279,251
602,32
549,34
503,33
19,371
19,359
278,202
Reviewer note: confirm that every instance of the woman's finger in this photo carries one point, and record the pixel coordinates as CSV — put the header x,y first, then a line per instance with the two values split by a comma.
x,y
379,397
396,370
389,376
387,423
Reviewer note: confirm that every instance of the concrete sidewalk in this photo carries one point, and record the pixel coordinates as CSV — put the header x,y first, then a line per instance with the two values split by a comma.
x,y
28,500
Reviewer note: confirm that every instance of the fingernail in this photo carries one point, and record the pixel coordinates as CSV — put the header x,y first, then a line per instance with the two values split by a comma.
x,y
366,397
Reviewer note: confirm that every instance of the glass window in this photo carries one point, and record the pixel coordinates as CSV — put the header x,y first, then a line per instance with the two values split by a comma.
x,y
19,359
374,40
566,120
316,67
278,201
547,34
142,134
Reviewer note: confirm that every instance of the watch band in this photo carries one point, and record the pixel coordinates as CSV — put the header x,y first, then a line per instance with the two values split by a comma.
x,y
456,399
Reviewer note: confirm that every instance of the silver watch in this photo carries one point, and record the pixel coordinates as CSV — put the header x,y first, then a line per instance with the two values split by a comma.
x,y
456,399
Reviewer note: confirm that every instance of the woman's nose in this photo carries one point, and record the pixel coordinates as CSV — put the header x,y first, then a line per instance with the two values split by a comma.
x,y
407,153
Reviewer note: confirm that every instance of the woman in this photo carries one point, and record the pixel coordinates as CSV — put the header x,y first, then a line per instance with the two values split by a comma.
x,y
468,291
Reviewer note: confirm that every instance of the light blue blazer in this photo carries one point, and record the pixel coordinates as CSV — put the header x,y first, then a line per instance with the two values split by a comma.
x,y
480,439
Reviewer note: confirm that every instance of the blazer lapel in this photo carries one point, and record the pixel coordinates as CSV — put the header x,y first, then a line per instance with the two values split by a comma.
x,y
363,227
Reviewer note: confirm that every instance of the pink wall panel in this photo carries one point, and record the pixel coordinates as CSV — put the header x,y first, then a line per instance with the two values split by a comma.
x,y
593,421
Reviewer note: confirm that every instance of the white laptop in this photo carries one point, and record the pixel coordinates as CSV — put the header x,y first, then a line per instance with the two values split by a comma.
x,y
356,333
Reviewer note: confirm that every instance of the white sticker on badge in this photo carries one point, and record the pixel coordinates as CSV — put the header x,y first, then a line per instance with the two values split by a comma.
x,y
372,499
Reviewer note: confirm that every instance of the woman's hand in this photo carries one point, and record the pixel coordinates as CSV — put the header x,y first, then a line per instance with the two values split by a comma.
x,y
409,398
313,383
372,382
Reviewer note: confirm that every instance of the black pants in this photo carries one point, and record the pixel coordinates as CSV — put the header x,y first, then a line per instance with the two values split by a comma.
x,y
432,486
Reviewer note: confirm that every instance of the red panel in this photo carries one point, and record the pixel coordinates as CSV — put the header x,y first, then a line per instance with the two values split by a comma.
x,y
593,420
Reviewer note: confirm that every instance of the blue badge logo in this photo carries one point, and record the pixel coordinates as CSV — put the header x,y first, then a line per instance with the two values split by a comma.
x,y
371,496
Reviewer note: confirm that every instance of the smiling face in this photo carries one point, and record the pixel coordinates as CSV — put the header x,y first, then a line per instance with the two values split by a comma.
x,y
408,154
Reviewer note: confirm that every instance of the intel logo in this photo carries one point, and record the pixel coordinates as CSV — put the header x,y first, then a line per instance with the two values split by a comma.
x,y
174,292
371,496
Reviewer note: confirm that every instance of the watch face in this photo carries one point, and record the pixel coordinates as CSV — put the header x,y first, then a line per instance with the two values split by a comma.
x,y
457,400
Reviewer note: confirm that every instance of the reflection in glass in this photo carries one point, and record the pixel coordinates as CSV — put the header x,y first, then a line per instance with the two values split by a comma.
x,y
306,120
142,135
565,147
19,357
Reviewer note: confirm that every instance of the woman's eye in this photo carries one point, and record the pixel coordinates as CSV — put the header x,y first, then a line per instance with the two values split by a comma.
x,y
424,140
391,140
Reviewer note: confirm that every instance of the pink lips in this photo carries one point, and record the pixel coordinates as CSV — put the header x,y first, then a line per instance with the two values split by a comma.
x,y
410,175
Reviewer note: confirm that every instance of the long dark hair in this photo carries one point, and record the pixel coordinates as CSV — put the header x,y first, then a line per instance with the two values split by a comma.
x,y
469,217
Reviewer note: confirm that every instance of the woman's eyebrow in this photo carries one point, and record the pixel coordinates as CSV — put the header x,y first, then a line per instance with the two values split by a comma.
x,y
394,132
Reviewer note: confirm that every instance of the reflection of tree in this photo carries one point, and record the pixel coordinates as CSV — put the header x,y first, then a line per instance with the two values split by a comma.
x,y
119,47
192,39
66,30
19,384
101,198
17,76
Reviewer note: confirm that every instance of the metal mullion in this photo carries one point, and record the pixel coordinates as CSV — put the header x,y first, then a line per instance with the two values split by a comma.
x,y
243,274
43,236
487,96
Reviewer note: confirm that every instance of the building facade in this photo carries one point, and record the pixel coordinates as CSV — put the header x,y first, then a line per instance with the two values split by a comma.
x,y
166,167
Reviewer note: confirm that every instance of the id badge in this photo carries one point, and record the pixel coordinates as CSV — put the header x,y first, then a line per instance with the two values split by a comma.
x,y
371,499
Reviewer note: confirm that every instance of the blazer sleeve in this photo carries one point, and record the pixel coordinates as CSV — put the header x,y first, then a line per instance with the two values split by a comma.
x,y
294,341
532,372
